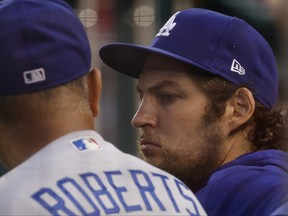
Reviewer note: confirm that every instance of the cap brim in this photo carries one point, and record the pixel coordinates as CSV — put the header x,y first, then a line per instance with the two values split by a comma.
x,y
129,59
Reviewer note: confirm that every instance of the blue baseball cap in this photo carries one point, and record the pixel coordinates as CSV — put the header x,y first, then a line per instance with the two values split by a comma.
x,y
42,44
216,43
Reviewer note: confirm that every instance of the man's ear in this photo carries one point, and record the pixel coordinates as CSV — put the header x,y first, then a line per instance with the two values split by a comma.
x,y
240,108
94,88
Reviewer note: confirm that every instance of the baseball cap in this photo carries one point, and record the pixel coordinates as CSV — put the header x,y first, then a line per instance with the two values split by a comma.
x,y
42,44
216,43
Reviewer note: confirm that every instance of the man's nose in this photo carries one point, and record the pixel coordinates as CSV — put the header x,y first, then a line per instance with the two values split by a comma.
x,y
145,115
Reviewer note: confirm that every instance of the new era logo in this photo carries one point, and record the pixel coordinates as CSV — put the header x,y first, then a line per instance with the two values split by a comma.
x,y
34,76
86,144
236,67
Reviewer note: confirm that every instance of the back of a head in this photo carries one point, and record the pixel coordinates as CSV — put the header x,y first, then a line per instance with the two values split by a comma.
x,y
43,44
44,48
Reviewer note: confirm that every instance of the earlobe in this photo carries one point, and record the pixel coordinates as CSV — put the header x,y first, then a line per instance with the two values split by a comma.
x,y
94,87
242,107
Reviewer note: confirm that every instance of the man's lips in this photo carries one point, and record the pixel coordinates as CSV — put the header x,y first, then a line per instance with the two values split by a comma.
x,y
146,143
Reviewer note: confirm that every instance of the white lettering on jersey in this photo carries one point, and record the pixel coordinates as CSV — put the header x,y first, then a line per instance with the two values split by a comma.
x,y
169,25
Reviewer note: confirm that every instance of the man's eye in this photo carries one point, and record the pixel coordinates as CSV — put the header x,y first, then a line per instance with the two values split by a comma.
x,y
167,98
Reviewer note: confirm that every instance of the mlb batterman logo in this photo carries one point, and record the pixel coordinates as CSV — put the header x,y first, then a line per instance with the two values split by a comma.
x,y
86,144
34,76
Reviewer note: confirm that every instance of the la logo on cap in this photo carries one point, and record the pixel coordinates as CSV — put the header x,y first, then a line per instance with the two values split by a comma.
x,y
169,25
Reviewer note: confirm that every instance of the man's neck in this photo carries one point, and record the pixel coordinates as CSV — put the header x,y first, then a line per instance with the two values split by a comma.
x,y
20,144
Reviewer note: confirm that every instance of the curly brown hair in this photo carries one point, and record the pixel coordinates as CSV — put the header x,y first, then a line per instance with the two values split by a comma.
x,y
269,126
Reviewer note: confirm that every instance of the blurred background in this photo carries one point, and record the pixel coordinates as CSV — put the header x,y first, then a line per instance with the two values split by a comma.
x,y
138,21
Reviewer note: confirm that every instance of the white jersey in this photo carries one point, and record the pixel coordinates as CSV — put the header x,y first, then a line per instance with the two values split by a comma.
x,y
81,174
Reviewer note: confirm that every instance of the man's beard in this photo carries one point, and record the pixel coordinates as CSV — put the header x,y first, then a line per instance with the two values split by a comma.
x,y
194,170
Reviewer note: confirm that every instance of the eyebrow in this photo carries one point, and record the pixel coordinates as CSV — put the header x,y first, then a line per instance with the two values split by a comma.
x,y
158,86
